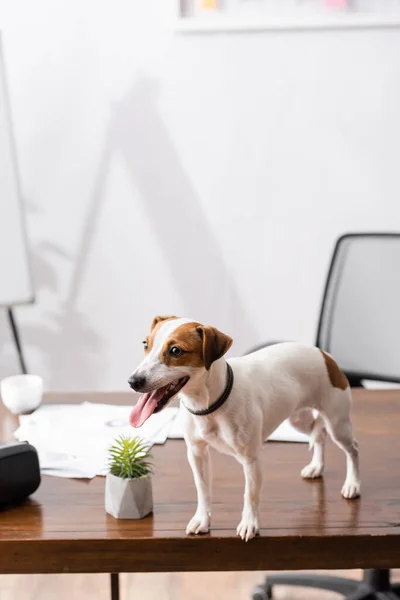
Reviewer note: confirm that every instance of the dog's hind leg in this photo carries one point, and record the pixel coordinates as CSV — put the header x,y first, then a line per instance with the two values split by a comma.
x,y
336,413
303,420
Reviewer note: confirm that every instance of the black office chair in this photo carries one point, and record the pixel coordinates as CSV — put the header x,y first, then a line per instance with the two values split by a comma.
x,y
360,325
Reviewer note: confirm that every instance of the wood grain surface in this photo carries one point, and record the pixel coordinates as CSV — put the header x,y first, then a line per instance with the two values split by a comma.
x,y
305,525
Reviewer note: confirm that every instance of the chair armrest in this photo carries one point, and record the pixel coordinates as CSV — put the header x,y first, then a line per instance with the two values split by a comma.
x,y
261,346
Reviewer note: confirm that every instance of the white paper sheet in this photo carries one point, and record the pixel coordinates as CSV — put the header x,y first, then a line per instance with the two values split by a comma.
x,y
284,433
287,433
72,440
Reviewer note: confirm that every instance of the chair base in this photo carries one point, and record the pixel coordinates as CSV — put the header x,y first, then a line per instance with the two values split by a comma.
x,y
375,585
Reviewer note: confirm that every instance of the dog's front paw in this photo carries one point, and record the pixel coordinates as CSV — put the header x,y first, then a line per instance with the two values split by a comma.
x,y
351,489
248,527
200,523
312,471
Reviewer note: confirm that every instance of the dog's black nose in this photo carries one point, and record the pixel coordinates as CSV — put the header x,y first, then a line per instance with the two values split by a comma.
x,y
137,382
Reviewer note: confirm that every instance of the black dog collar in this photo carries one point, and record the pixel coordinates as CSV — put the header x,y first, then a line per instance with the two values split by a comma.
x,y
221,400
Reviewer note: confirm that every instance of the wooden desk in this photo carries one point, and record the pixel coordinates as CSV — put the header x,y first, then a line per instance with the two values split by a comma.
x,y
305,525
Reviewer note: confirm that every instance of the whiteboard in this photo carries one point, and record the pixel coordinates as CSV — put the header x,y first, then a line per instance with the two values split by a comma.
x,y
16,285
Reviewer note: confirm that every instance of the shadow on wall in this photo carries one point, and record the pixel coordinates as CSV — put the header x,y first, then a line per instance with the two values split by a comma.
x,y
174,210
66,340
60,334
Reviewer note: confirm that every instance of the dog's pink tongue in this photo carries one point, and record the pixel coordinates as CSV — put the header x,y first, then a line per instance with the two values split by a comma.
x,y
145,407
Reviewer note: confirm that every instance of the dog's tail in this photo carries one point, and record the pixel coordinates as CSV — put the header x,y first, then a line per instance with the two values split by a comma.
x,y
316,431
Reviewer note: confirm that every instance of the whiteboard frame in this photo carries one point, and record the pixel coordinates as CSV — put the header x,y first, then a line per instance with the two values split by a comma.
x,y
222,24
10,133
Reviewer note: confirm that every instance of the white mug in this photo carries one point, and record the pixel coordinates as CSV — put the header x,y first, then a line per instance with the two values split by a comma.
x,y
21,393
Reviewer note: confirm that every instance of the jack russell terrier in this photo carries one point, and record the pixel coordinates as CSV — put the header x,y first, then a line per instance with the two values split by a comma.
x,y
235,405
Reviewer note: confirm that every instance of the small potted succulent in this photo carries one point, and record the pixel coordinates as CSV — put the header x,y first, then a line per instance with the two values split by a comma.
x,y
129,492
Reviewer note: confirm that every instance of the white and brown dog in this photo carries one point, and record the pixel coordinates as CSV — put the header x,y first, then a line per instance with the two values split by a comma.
x,y
235,405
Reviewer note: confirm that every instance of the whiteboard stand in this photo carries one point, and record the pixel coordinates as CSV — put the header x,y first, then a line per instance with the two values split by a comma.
x,y
17,340
16,284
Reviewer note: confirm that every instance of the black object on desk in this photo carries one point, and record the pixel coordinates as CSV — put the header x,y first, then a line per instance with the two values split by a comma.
x,y
19,471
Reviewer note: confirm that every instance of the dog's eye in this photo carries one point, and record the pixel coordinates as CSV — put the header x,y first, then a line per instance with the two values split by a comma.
x,y
145,345
175,351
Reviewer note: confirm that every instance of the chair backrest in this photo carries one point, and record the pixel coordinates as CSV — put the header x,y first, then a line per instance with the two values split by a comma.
x,y
360,314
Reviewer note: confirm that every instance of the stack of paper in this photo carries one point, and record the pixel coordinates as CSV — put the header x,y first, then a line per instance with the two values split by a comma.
x,y
73,440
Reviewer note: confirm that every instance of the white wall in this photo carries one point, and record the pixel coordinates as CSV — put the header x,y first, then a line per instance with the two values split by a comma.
x,y
203,176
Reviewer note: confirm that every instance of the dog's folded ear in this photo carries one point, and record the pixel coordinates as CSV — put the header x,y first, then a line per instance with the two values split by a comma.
x,y
157,320
215,344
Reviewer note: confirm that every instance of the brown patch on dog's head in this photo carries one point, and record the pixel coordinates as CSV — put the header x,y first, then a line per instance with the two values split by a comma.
x,y
154,327
188,341
336,375
200,346
215,344
158,320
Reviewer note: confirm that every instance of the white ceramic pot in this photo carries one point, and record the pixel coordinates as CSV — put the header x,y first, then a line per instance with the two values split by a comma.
x,y
128,498
22,393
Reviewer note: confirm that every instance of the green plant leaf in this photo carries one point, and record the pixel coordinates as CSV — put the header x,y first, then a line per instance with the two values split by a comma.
x,y
130,458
